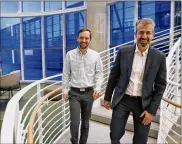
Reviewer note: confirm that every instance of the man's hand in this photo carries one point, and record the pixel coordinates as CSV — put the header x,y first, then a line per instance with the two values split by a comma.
x,y
107,104
147,117
96,94
65,96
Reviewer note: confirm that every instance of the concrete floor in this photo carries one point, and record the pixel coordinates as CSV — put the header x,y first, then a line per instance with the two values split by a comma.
x,y
99,133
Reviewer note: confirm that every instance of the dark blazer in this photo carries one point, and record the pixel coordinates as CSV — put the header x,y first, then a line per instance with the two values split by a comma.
x,y
154,79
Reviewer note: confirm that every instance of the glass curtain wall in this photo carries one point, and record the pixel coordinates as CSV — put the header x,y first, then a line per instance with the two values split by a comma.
x,y
74,22
53,44
122,17
32,48
122,22
10,44
159,11
41,35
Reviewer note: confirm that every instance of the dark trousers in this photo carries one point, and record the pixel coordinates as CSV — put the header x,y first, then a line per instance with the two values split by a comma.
x,y
120,116
80,103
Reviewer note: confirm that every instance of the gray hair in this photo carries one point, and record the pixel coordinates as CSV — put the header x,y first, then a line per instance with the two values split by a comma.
x,y
145,21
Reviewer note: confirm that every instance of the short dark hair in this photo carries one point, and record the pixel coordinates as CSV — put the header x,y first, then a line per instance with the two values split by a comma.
x,y
85,29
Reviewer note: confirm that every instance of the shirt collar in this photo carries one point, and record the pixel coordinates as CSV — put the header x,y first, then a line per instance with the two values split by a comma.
x,y
81,52
144,53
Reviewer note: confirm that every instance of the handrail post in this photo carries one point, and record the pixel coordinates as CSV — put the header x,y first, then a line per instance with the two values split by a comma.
x,y
177,75
39,96
64,113
17,126
114,54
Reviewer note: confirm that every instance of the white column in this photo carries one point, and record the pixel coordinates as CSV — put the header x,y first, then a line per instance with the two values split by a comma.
x,y
135,13
43,42
63,26
96,22
172,24
21,49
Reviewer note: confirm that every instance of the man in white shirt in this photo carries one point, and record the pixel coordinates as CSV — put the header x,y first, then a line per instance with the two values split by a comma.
x,y
82,74
138,77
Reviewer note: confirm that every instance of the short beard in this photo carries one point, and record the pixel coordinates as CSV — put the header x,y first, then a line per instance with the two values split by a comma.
x,y
144,44
83,47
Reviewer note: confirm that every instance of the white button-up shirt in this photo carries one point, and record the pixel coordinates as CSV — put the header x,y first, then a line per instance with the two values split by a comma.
x,y
82,70
136,78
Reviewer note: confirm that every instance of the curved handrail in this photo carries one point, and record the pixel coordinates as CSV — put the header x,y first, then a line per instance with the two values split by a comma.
x,y
10,113
34,113
171,102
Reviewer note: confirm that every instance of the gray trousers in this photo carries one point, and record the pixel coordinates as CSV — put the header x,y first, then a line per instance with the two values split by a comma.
x,y
120,116
80,103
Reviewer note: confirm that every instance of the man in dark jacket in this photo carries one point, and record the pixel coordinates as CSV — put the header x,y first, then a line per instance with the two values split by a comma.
x,y
138,77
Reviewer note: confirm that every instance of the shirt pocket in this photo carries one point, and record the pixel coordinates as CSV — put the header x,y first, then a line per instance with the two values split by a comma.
x,y
90,67
74,65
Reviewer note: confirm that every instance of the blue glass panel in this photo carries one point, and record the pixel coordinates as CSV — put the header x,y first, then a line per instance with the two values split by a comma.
x,y
71,4
9,7
32,32
53,31
54,62
10,61
74,22
9,33
52,5
33,64
31,6
177,13
159,11
122,22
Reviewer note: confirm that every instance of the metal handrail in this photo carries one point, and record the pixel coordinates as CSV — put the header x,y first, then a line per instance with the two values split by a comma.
x,y
171,102
34,113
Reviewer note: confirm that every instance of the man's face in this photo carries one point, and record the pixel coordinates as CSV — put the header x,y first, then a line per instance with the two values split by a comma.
x,y
83,39
144,35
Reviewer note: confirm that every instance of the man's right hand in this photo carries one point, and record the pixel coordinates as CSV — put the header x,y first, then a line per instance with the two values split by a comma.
x,y
107,104
65,96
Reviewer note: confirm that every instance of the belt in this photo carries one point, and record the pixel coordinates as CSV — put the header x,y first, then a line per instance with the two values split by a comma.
x,y
82,89
133,97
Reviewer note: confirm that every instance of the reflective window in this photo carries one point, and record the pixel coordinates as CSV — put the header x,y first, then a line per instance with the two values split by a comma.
x,y
10,61
53,31
32,41
74,22
54,61
32,6
52,5
72,4
10,33
32,64
177,15
10,44
32,32
53,45
9,7
122,22
159,11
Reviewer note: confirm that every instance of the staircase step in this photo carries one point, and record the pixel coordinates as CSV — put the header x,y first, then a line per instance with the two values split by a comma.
x,y
100,114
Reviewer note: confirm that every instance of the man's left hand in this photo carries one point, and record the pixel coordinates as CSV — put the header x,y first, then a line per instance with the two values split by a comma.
x,y
96,94
147,117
